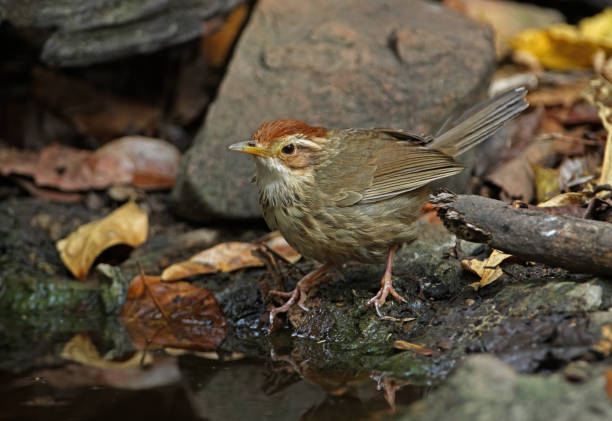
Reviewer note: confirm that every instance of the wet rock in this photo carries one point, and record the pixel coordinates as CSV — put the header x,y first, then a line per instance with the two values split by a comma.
x,y
392,63
485,388
102,30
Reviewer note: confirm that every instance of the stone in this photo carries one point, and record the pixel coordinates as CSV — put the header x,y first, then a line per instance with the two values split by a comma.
x,y
485,388
392,63
96,31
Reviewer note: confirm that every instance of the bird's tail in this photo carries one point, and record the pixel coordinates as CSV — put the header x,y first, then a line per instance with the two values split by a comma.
x,y
479,122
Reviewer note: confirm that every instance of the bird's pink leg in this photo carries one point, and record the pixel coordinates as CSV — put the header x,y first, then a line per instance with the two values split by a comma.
x,y
386,285
300,292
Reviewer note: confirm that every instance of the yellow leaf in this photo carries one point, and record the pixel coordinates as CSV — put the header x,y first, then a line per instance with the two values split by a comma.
x,y
563,47
598,28
80,349
489,270
546,182
126,225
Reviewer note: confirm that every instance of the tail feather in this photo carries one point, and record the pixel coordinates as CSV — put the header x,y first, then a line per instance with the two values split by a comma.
x,y
479,122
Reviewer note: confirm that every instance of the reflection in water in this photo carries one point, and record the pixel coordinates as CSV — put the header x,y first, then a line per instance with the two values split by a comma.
x,y
191,388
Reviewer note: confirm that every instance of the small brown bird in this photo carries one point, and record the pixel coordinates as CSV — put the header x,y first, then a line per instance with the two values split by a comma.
x,y
354,194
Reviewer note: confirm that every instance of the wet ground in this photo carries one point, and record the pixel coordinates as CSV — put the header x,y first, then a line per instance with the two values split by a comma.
x,y
547,332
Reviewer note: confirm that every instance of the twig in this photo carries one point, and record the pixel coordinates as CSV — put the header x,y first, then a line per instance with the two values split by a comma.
x,y
575,244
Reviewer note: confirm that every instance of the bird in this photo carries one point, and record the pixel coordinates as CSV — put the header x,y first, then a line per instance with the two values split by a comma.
x,y
341,195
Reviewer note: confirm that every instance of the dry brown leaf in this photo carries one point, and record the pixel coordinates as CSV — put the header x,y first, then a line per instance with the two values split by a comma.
x,y
277,243
126,225
141,161
599,93
604,346
80,349
565,95
489,270
216,47
227,257
609,383
146,162
419,349
515,177
178,315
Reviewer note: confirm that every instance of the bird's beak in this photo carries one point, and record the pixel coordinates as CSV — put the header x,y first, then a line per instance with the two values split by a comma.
x,y
248,146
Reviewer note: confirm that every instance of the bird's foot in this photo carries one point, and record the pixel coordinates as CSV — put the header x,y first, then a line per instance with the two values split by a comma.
x,y
300,292
381,296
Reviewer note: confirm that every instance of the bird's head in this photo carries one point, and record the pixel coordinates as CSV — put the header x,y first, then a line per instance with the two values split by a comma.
x,y
286,146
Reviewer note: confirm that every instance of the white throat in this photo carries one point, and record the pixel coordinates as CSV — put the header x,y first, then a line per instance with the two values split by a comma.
x,y
276,183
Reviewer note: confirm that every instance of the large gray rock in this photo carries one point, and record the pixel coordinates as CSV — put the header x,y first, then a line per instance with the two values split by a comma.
x,y
92,31
347,63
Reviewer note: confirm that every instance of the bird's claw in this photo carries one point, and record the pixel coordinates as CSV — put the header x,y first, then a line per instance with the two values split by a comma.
x,y
381,296
296,295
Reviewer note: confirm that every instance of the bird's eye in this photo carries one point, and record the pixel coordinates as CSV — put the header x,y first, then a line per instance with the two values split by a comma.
x,y
288,149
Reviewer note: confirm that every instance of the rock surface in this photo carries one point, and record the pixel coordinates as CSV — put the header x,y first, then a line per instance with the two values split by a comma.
x,y
102,30
391,63
484,388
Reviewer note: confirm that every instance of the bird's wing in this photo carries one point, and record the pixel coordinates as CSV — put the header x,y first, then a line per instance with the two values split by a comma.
x,y
374,166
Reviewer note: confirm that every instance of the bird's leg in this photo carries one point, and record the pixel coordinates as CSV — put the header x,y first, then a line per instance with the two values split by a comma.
x,y
386,285
299,294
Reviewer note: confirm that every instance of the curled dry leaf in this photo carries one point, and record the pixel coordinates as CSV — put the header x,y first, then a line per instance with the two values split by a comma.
x,y
489,270
80,349
177,315
126,225
419,349
230,256
146,162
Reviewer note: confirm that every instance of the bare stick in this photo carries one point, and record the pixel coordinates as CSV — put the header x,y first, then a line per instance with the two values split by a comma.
x,y
579,245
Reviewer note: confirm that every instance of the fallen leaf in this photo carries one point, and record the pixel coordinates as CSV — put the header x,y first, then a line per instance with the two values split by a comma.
x,y
277,243
489,270
604,346
564,47
81,350
515,177
141,161
93,112
178,315
566,94
230,256
546,182
126,225
609,383
599,93
216,47
147,162
419,349
565,199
